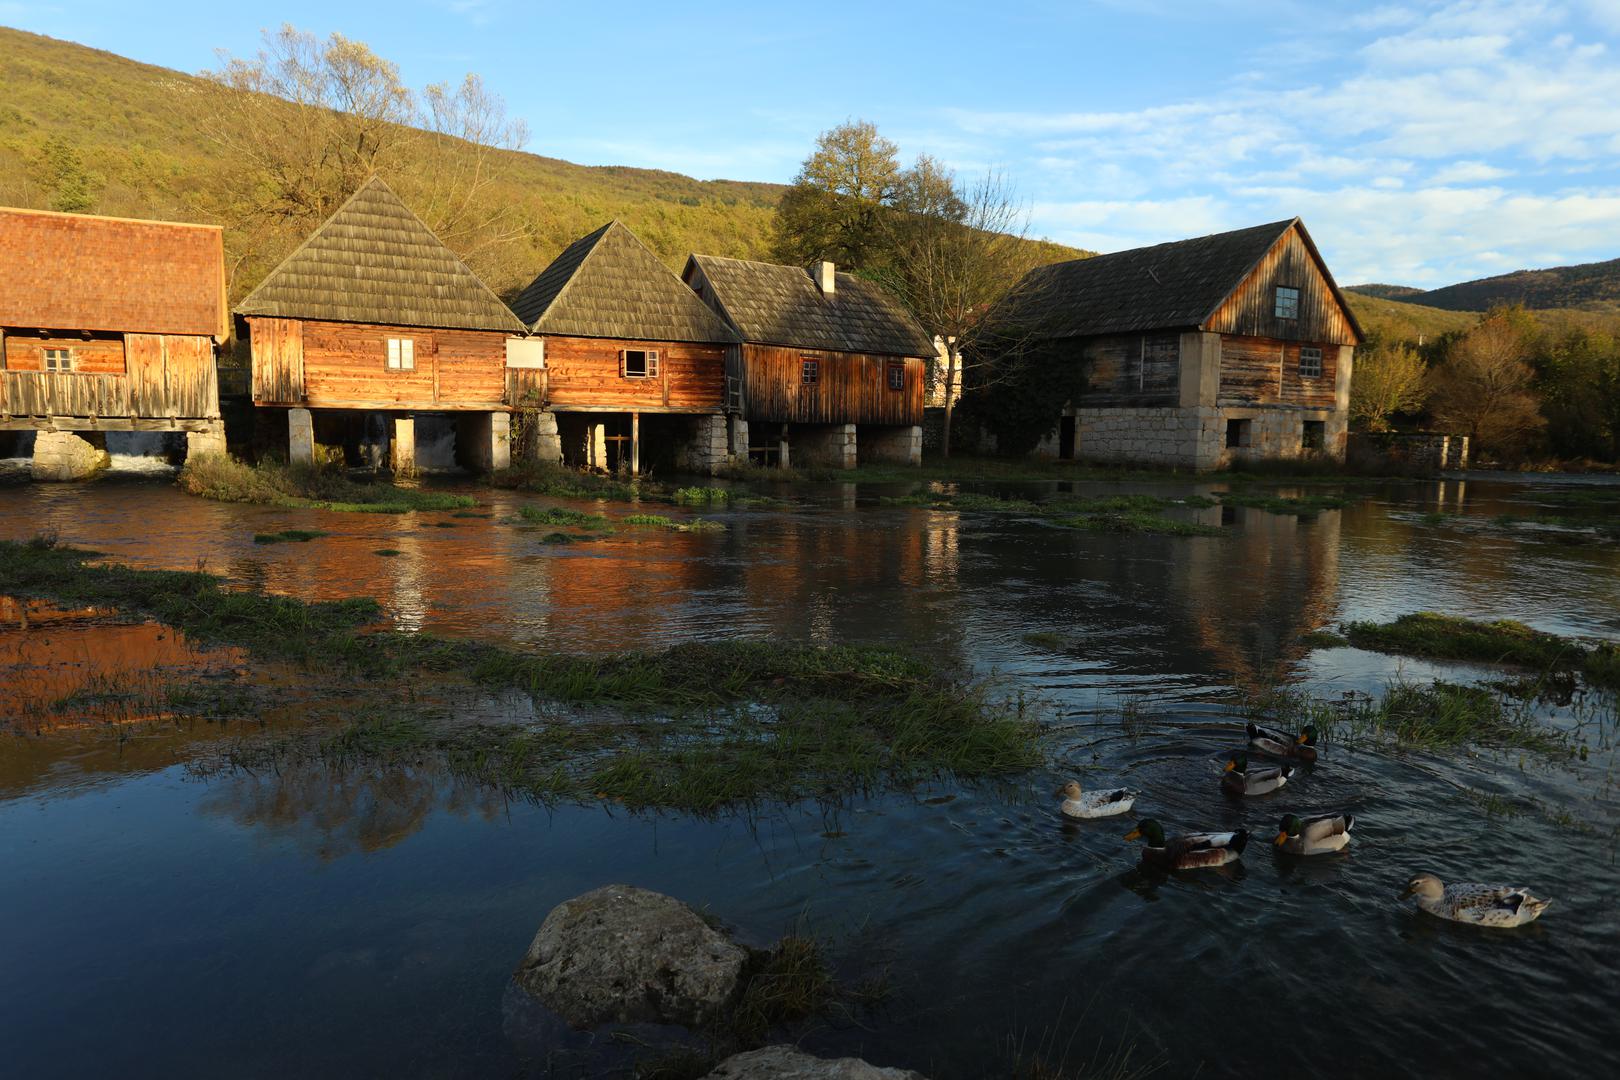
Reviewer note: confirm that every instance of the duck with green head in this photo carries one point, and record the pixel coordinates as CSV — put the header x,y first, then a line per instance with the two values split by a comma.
x,y
1239,779
1314,836
1301,747
1190,851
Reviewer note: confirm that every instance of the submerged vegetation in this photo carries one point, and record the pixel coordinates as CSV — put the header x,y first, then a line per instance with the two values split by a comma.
x,y
224,479
559,482
697,727
286,536
1300,505
1503,641
1108,513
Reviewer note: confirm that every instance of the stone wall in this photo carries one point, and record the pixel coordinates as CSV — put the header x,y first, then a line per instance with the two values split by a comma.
x,y
212,441
899,445
61,456
1195,437
706,448
827,445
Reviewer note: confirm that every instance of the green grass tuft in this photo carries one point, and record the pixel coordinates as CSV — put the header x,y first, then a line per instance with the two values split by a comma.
x,y
562,515
288,536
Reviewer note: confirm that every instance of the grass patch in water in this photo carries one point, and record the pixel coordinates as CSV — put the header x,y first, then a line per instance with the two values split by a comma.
x,y
563,483
388,553
1503,641
698,727
701,496
224,479
470,514
562,515
1046,639
1301,505
556,538
1136,522
288,536
1323,639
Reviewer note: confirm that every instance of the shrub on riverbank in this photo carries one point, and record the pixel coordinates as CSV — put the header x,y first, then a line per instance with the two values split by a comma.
x,y
559,482
224,479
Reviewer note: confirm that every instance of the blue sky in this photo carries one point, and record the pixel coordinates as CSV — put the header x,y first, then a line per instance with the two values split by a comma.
x,y
1423,143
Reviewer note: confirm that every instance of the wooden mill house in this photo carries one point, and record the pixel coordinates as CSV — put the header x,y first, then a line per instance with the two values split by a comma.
x,y
1194,354
373,314
108,325
635,363
830,368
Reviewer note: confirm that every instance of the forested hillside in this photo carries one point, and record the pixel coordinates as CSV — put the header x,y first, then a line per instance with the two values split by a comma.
x,y
90,131
1588,286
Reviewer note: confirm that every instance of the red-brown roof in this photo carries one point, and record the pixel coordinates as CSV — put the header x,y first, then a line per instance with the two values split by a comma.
x,y
79,272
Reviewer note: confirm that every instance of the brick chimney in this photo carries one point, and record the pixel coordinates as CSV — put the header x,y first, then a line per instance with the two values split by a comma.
x,y
827,277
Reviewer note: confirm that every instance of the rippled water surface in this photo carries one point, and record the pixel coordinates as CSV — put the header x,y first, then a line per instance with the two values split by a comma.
x,y
161,919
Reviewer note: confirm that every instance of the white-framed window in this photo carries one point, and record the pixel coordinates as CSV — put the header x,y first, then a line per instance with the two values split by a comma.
x,y
809,369
1287,302
57,359
638,363
1310,362
897,375
401,354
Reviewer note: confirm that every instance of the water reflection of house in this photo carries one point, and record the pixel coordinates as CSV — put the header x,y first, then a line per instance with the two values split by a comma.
x,y
1196,353
373,318
108,325
635,362
831,367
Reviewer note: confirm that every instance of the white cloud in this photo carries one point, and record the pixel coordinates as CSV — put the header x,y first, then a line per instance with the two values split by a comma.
x,y
1467,172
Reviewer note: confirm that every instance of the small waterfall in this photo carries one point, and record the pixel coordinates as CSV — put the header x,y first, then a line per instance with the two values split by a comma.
x,y
146,451
436,442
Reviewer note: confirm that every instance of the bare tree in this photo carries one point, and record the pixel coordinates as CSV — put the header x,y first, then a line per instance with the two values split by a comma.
x,y
306,121
959,256
1389,378
1484,387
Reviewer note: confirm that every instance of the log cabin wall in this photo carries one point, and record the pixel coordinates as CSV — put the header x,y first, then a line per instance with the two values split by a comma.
x,y
1265,371
582,374
849,388
1130,369
124,379
1251,310
345,365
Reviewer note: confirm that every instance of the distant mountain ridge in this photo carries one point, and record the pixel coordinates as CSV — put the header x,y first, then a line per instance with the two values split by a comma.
x,y
1591,286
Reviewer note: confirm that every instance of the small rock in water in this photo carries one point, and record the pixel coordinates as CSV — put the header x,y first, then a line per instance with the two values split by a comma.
x,y
790,1063
625,955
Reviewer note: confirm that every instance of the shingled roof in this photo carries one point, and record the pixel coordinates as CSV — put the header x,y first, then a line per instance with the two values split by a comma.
x,y
82,272
1167,286
770,304
609,285
376,262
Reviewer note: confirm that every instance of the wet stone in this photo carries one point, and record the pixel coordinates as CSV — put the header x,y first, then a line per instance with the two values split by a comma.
x,y
620,954
789,1063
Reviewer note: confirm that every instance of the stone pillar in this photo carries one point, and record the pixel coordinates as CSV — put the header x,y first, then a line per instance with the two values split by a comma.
x,y
782,449
706,448
60,456
545,443
1200,372
596,446
204,443
737,438
635,444
402,446
300,437
500,440
899,445
832,445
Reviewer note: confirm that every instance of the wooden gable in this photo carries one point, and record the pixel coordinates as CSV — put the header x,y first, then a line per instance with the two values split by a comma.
x,y
1291,262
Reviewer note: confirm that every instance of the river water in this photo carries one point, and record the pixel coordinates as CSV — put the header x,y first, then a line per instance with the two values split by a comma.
x,y
160,919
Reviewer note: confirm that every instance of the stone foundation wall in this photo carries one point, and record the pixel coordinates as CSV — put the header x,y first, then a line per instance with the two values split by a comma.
x,y
200,443
60,456
827,445
1194,437
706,448
902,445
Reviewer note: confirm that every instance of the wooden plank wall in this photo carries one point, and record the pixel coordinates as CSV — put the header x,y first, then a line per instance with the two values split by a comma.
x,y
345,365
1251,309
1265,371
583,373
853,388
1132,370
142,376
278,360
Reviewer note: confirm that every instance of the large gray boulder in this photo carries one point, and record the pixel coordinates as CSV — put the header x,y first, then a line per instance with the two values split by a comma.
x,y
625,955
789,1063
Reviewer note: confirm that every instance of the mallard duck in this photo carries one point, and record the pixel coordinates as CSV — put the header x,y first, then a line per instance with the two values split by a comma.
x,y
1477,905
1282,744
1239,779
1095,804
1193,851
1314,836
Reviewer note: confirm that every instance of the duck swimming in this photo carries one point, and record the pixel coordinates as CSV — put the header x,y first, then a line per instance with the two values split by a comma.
x,y
1478,905
1281,744
1193,851
1314,836
1095,804
1239,779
